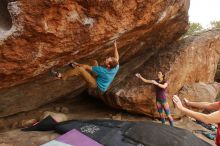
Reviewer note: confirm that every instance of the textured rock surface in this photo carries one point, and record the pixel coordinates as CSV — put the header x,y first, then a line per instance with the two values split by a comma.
x,y
19,138
217,75
190,60
55,32
52,33
199,92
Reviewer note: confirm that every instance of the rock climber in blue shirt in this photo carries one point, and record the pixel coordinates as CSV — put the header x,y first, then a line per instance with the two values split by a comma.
x,y
104,75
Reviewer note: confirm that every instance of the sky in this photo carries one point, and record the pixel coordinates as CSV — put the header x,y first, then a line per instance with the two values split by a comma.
x,y
204,11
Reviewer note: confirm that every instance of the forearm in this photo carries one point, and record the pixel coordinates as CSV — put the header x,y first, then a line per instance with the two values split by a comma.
x,y
161,85
200,105
196,115
145,80
116,54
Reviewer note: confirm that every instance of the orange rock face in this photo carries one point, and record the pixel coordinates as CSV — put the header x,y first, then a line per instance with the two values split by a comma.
x,y
45,34
50,33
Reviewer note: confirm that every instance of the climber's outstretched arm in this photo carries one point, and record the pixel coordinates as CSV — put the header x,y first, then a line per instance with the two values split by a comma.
x,y
116,51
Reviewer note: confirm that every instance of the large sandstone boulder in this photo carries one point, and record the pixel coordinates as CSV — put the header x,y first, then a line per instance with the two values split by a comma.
x,y
190,60
39,35
20,138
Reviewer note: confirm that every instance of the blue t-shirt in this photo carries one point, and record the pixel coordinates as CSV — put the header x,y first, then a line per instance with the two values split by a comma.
x,y
104,76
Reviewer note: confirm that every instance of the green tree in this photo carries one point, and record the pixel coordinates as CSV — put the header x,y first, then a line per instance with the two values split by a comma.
x,y
215,24
194,28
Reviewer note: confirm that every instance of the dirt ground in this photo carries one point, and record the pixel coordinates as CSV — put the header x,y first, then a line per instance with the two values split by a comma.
x,y
84,107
